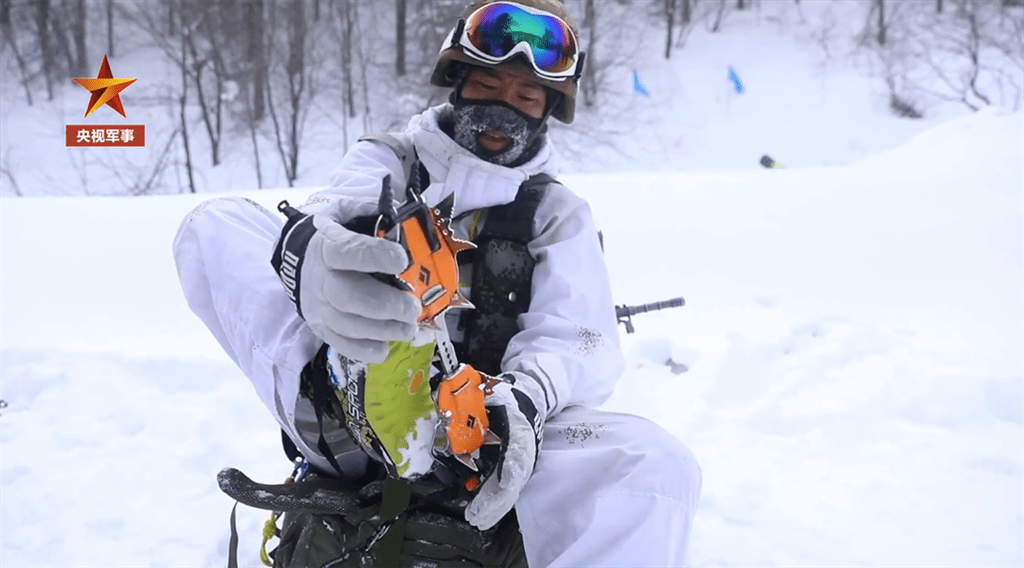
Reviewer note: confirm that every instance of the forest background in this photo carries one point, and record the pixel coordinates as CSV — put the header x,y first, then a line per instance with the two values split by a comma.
x,y
242,94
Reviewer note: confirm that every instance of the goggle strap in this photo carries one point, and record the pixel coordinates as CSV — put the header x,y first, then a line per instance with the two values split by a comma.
x,y
581,59
459,29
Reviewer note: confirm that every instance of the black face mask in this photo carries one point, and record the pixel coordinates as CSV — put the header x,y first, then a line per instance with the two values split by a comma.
x,y
472,118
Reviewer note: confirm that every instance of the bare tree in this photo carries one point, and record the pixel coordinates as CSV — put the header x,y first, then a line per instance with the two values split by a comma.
x,y
110,27
880,8
719,16
224,54
172,17
687,16
7,29
670,17
974,56
960,79
45,47
348,30
183,115
140,178
343,30
62,29
196,63
400,8
78,24
877,24
588,85
288,128
6,169
256,49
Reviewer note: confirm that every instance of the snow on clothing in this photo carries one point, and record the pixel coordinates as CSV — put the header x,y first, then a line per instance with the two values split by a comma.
x,y
609,489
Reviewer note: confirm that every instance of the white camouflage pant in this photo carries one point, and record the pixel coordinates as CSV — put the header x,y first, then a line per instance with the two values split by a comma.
x,y
609,490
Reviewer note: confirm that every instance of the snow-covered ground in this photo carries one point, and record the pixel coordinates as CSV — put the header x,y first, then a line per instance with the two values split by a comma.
x,y
853,337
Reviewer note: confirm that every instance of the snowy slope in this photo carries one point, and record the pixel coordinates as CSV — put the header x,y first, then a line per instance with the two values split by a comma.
x,y
853,336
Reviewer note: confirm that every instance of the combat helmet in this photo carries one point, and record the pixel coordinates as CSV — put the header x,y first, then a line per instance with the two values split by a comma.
x,y
490,32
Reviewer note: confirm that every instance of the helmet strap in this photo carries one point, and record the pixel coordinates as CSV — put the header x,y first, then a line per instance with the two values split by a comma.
x,y
459,73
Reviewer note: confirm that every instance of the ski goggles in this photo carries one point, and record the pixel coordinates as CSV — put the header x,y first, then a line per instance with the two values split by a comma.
x,y
496,32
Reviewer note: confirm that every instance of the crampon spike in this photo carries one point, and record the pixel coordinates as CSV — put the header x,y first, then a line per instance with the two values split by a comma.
x,y
491,438
467,461
444,208
431,324
460,301
386,204
488,385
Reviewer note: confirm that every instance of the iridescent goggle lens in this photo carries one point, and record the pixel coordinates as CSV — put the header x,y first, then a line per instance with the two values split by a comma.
x,y
496,31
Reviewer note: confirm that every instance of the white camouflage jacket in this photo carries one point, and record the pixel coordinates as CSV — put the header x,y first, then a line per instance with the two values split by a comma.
x,y
568,341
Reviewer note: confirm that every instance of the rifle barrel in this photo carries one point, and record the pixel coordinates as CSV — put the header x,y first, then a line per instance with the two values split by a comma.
x,y
627,311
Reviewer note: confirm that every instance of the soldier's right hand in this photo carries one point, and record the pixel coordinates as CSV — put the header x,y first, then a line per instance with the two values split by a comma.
x,y
327,271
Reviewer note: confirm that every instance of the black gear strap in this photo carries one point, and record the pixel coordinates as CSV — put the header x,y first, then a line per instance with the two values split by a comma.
x,y
502,277
314,374
291,251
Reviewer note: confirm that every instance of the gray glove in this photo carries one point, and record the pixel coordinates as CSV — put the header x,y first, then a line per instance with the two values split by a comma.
x,y
327,271
519,397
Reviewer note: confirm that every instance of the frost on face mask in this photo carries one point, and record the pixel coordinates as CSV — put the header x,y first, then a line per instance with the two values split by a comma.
x,y
473,118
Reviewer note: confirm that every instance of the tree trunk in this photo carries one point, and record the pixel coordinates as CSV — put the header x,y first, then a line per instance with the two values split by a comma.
x,y
687,11
184,117
938,6
719,16
346,59
61,35
256,49
881,21
45,49
172,18
589,81
78,31
296,87
740,5
8,34
212,107
110,28
670,16
400,6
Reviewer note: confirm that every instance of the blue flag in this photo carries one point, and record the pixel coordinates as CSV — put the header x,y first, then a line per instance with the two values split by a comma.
x,y
639,87
735,81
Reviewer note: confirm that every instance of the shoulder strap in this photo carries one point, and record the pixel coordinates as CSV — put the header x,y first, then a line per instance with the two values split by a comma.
x,y
406,154
502,277
514,221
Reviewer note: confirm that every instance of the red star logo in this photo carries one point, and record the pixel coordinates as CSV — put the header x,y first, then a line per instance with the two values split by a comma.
x,y
105,89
